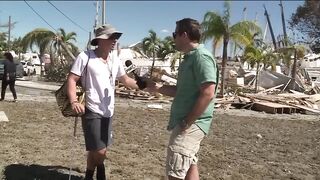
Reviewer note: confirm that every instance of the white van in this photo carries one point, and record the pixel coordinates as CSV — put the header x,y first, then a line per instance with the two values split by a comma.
x,y
33,58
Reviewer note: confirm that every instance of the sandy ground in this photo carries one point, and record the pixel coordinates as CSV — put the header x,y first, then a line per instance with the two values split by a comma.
x,y
38,143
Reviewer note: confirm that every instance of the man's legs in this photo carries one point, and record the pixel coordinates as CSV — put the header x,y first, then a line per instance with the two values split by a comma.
x,y
192,174
3,89
13,90
182,160
100,157
96,159
97,132
90,166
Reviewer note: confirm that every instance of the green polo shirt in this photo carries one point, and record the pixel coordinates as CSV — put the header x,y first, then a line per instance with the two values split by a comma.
x,y
197,67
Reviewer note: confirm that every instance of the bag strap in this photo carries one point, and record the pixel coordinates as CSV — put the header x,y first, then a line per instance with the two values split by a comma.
x,y
85,70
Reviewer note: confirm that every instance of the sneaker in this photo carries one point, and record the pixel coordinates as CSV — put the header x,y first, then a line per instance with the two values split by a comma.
x,y
1,99
15,100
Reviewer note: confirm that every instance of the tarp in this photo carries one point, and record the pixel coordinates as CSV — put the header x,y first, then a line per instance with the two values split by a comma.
x,y
269,79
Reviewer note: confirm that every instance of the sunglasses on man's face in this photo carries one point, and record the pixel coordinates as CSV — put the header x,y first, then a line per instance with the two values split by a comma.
x,y
114,37
174,35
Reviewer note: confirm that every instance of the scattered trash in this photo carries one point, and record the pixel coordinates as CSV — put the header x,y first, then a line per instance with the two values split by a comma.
x,y
259,136
155,106
3,117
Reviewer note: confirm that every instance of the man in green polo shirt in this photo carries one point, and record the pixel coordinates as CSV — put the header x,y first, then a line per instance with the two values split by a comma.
x,y
192,108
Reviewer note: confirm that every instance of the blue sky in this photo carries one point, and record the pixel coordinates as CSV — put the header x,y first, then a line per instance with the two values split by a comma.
x,y
133,18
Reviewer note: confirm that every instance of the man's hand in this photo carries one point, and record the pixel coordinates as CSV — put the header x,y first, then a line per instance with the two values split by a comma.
x,y
184,126
151,86
77,107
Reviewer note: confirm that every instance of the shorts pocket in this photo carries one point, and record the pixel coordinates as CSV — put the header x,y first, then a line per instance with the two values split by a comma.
x,y
179,164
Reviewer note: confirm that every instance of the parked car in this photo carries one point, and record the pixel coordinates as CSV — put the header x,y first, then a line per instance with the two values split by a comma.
x,y
28,68
1,68
19,71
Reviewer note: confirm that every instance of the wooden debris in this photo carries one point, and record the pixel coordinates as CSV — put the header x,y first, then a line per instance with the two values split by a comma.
x,y
274,108
284,103
270,89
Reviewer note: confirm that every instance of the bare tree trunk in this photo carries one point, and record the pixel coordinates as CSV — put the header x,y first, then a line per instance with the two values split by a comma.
x,y
294,70
224,62
257,77
154,59
41,65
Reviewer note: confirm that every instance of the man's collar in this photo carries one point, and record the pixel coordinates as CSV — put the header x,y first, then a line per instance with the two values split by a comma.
x,y
194,49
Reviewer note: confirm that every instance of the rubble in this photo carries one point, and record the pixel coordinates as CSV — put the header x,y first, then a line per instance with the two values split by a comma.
x,y
276,93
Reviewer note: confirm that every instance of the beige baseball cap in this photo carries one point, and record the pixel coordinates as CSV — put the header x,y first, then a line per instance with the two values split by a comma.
x,y
105,32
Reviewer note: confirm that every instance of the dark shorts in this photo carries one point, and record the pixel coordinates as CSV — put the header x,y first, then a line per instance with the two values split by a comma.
x,y
97,131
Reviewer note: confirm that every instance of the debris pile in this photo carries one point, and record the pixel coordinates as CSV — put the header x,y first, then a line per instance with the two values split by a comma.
x,y
270,92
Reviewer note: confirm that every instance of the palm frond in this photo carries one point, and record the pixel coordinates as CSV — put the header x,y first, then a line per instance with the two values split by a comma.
x,y
212,26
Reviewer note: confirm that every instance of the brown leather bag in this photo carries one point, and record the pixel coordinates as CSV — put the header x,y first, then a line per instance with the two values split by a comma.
x,y
63,99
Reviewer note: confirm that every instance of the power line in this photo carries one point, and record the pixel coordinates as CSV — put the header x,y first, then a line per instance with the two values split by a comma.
x,y
39,15
67,17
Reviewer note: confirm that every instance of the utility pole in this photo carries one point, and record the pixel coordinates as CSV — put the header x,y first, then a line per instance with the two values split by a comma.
x,y
294,69
283,25
265,31
244,11
103,12
256,18
96,24
10,26
270,27
96,21
9,33
89,45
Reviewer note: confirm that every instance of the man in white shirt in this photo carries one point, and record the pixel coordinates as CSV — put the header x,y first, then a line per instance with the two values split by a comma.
x,y
98,69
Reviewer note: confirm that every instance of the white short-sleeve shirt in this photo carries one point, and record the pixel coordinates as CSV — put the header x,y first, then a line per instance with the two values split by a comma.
x,y
99,80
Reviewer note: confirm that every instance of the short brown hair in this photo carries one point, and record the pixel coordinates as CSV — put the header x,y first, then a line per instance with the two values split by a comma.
x,y
191,27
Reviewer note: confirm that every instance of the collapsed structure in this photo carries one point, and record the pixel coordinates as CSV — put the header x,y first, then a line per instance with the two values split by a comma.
x,y
277,91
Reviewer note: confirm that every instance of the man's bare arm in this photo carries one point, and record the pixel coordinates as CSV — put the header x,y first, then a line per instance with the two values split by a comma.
x,y
128,82
71,91
207,92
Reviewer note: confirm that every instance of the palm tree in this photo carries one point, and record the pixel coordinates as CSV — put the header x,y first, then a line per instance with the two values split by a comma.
x,y
151,46
270,59
174,58
297,51
17,46
137,48
254,56
63,41
3,43
166,47
40,38
218,28
44,39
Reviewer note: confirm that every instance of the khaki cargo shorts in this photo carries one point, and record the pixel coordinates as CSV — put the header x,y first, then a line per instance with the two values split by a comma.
x,y
182,150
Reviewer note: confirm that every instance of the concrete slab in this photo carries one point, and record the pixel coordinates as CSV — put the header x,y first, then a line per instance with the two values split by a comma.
x,y
3,117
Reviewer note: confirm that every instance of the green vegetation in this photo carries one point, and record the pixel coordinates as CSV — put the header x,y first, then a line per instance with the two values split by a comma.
x,y
218,28
60,47
306,20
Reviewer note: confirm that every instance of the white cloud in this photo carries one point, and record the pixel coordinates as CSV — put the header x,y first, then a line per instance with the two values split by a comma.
x,y
164,31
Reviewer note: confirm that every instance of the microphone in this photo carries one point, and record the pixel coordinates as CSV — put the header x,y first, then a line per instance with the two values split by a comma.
x,y
140,82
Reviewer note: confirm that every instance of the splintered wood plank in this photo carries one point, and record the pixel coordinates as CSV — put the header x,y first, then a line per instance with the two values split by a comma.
x,y
273,108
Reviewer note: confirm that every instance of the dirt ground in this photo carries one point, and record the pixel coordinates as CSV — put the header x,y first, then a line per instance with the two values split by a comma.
x,y
38,143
